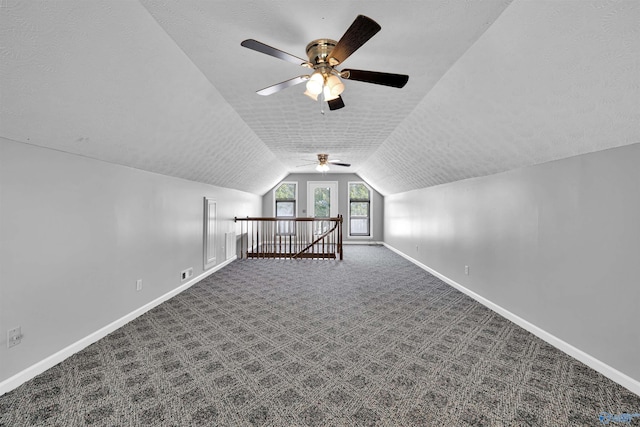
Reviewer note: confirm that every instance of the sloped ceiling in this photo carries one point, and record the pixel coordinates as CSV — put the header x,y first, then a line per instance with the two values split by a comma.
x,y
165,86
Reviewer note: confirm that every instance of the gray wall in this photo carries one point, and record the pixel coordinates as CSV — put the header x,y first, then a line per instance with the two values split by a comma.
x,y
557,244
377,201
76,234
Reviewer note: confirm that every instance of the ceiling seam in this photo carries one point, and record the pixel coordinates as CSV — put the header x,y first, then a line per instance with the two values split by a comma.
x,y
509,3
212,85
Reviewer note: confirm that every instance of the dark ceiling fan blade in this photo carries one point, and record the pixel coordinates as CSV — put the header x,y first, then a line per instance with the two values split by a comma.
x,y
282,85
266,49
376,77
336,104
338,163
360,31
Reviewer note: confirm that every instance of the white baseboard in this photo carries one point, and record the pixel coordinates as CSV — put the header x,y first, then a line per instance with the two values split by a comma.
x,y
361,242
606,370
39,367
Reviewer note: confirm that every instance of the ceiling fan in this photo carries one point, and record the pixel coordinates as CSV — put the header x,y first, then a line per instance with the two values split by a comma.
x,y
322,165
324,55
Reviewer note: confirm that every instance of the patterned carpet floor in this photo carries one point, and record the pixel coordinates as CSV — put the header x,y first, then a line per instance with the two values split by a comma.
x,y
371,340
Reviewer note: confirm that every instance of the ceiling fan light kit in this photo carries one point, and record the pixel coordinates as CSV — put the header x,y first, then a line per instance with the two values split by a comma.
x,y
323,56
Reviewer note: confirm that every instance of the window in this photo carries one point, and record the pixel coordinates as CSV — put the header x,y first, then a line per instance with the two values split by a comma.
x,y
285,196
359,209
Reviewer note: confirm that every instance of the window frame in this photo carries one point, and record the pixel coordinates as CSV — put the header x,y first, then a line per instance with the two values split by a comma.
x,y
287,228
276,200
369,217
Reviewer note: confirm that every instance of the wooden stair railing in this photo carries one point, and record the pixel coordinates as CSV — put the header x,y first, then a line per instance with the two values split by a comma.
x,y
317,241
318,238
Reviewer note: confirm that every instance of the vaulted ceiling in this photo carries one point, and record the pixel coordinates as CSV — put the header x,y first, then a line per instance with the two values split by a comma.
x,y
165,86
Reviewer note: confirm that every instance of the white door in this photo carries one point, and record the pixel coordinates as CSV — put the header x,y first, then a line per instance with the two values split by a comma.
x,y
322,202
209,233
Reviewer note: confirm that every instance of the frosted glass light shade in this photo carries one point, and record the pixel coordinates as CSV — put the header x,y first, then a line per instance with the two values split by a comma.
x,y
335,85
311,95
315,83
328,96
322,168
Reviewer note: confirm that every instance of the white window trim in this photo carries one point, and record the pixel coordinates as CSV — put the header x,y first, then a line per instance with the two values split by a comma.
x,y
370,236
274,195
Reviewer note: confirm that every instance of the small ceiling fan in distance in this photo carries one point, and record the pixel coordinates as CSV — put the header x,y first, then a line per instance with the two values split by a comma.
x,y
322,165
324,55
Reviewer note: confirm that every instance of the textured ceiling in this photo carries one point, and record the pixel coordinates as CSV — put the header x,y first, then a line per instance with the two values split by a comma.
x,y
165,86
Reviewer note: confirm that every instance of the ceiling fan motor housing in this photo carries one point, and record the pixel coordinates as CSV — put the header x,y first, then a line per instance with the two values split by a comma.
x,y
323,158
318,51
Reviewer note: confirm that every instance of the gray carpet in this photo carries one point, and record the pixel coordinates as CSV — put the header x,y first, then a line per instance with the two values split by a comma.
x,y
371,340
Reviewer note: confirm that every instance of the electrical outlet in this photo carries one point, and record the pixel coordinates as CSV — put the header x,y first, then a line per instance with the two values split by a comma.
x,y
466,270
139,285
186,273
14,337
